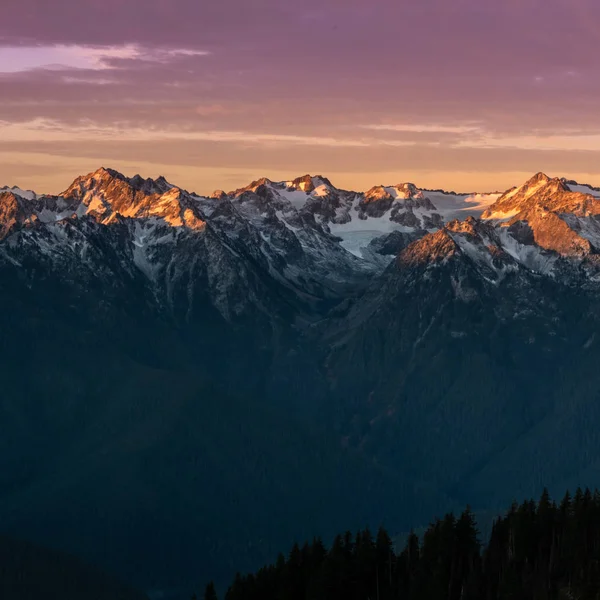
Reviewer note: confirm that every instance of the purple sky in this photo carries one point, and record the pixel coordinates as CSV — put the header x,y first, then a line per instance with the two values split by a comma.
x,y
469,94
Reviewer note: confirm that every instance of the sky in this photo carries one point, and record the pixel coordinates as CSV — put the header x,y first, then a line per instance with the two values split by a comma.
x,y
465,95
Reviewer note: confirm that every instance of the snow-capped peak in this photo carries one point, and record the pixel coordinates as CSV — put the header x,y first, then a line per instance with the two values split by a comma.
x,y
308,183
26,194
251,187
517,198
551,194
400,191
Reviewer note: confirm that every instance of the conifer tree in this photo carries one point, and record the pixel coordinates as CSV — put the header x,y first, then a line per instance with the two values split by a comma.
x,y
536,551
210,592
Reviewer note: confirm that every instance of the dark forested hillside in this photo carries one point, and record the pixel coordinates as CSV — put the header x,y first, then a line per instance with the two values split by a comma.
x,y
120,449
536,551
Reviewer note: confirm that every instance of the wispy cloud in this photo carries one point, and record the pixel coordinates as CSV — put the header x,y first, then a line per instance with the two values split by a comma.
x,y
87,80
424,128
51,130
582,141
17,59
54,131
479,136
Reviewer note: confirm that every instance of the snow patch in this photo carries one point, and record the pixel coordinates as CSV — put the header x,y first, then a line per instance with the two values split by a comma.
x,y
297,198
584,189
586,227
500,215
461,206
356,242
17,191
532,257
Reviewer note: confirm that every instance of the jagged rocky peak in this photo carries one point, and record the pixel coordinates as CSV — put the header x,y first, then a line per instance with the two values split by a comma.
x,y
473,230
310,194
162,182
408,193
150,186
252,187
539,178
470,226
525,190
15,212
175,208
542,193
476,245
107,194
104,178
26,194
101,178
541,183
484,236
551,215
431,249
104,193
410,190
400,191
378,193
308,183
407,206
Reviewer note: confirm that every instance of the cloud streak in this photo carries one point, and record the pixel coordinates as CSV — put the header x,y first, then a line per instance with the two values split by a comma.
x,y
424,128
16,59
53,131
458,137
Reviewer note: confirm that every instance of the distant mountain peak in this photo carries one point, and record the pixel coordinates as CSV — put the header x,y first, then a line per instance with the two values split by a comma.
x,y
470,225
218,194
251,187
106,176
308,183
537,178
540,190
109,172
26,194
13,212
430,249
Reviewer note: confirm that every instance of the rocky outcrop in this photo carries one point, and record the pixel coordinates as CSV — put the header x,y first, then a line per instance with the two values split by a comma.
x,y
14,213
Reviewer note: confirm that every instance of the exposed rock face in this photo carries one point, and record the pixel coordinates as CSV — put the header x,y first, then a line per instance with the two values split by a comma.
x,y
218,194
393,243
429,250
559,219
403,199
251,187
540,191
13,213
107,194
552,233
305,183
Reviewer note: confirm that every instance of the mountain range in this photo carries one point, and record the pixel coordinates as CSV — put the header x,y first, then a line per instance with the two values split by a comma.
x,y
191,383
